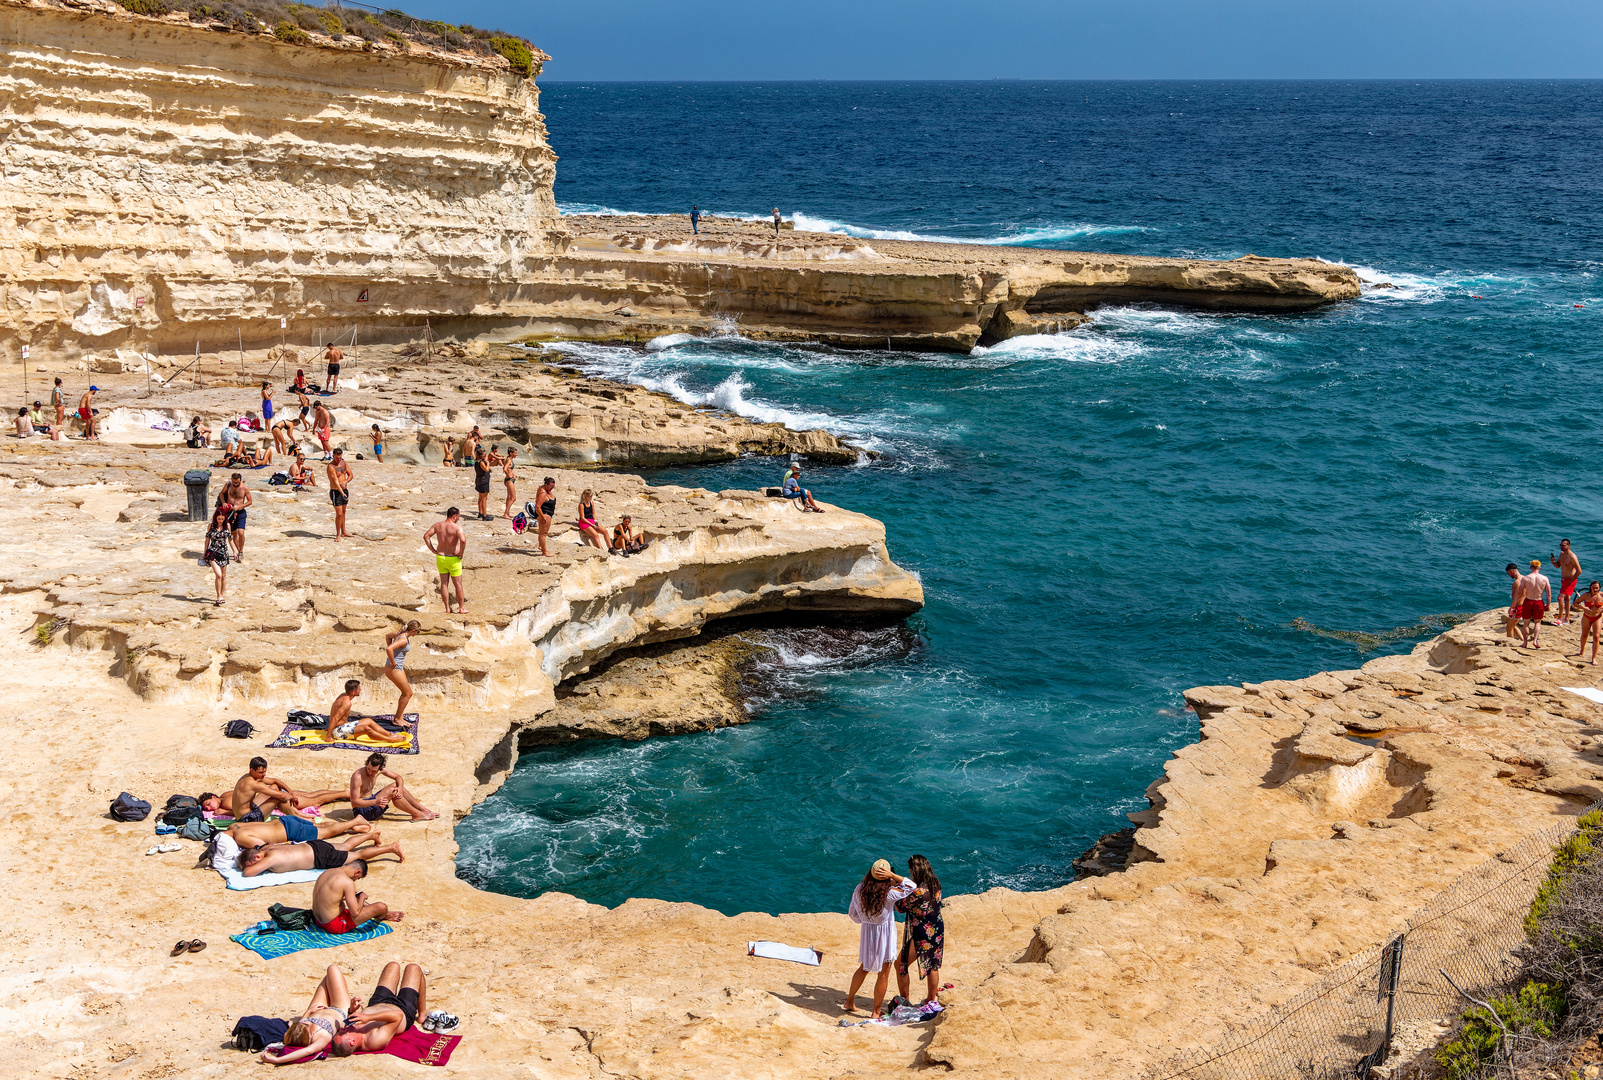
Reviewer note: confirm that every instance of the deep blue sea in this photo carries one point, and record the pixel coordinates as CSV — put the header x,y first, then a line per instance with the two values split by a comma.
x,y
1104,517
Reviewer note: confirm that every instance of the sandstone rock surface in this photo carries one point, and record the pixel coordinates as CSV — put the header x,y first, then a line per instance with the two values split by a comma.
x,y
167,182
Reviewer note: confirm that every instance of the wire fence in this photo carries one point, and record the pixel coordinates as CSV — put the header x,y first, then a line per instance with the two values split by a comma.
x,y
1342,1026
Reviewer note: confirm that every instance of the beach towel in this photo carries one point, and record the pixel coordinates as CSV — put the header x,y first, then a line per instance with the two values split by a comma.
x,y
240,883
272,946
417,1045
1587,692
773,950
296,737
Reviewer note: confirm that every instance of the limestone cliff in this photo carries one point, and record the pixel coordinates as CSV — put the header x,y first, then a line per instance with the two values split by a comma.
x,y
164,181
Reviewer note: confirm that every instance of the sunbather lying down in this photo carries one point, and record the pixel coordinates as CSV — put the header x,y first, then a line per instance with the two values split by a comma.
x,y
291,829
342,1025
315,854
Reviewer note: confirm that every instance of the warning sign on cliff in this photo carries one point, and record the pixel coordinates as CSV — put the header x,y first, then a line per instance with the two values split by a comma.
x,y
363,298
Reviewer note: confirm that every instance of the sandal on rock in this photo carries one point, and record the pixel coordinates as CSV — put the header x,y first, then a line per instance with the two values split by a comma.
x,y
197,945
181,947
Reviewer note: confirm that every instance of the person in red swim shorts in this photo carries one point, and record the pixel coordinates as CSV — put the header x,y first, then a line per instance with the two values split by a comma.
x,y
86,412
337,908
1529,603
1569,572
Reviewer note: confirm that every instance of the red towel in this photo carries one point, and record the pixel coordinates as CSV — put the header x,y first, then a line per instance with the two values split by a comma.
x,y
417,1045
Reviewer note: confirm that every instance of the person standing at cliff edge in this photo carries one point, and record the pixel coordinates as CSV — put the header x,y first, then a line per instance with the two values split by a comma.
x,y
86,412
776,221
695,219
1529,605
1569,571
333,356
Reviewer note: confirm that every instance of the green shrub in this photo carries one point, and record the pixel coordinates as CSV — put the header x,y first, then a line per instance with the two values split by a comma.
x,y
289,32
1535,1010
1567,857
145,7
516,52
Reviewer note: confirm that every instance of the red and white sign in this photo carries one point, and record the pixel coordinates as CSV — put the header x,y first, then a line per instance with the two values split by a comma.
x,y
363,298
25,352
139,301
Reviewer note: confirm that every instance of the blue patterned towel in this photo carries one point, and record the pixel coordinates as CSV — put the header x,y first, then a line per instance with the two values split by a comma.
x,y
270,946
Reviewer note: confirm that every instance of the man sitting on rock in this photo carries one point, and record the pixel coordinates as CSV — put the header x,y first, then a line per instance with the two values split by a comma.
x,y
371,805
314,854
337,908
257,795
341,728
792,489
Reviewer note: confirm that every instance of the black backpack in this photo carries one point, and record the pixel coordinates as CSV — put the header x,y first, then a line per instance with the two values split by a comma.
x,y
127,808
239,729
180,808
290,918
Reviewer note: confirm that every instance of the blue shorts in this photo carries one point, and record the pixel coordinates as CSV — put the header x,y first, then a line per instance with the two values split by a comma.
x,y
297,830
239,519
370,813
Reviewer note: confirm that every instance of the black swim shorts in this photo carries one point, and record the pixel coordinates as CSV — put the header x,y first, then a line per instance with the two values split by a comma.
x,y
482,486
325,856
370,813
239,519
333,369
406,1001
339,498
253,814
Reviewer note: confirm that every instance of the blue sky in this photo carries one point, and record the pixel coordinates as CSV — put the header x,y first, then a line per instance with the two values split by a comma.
x,y
1049,39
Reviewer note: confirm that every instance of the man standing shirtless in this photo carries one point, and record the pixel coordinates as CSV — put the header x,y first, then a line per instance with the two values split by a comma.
x,y
86,412
1569,569
1529,605
339,479
371,805
447,540
322,427
337,908
393,1007
341,728
333,356
315,854
256,795
236,494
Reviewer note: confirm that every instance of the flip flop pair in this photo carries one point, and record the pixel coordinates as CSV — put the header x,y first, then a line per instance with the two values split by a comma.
x,y
187,947
159,849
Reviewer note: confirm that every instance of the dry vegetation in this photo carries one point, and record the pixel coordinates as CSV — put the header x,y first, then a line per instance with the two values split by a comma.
x,y
296,23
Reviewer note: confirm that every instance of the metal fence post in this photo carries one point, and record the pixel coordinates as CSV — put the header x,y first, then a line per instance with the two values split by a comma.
x,y
1391,966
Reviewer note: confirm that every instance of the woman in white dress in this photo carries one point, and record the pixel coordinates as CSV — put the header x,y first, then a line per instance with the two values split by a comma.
x,y
874,909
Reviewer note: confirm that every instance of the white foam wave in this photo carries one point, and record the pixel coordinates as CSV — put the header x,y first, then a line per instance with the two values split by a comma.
x,y
668,341
730,396
1042,235
1081,345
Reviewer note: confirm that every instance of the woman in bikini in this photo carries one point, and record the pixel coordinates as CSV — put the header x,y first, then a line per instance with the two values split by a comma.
x,y
589,527
395,648
300,390
545,507
314,1030
218,533
1591,612
509,477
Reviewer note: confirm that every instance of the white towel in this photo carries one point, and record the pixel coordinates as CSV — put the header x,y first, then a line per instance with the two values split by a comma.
x,y
1587,692
773,950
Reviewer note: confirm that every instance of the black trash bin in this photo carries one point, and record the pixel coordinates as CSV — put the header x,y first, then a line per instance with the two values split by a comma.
x,y
197,482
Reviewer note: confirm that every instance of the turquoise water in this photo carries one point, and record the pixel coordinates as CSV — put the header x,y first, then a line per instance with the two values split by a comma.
x,y
1105,517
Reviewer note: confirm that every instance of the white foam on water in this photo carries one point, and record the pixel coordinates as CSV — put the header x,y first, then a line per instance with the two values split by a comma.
x,y
1016,237
668,341
1082,345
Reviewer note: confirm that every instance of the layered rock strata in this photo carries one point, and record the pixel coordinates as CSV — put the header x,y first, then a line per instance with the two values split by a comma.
x,y
638,277
166,182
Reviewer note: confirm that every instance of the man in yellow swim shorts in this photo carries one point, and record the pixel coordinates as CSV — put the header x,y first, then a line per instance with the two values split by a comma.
x,y
449,542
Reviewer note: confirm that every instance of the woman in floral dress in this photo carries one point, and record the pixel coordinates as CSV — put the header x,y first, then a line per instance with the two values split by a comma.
x,y
926,932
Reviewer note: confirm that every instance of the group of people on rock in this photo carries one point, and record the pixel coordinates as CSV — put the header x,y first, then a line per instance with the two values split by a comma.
x,y
1532,593
34,420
